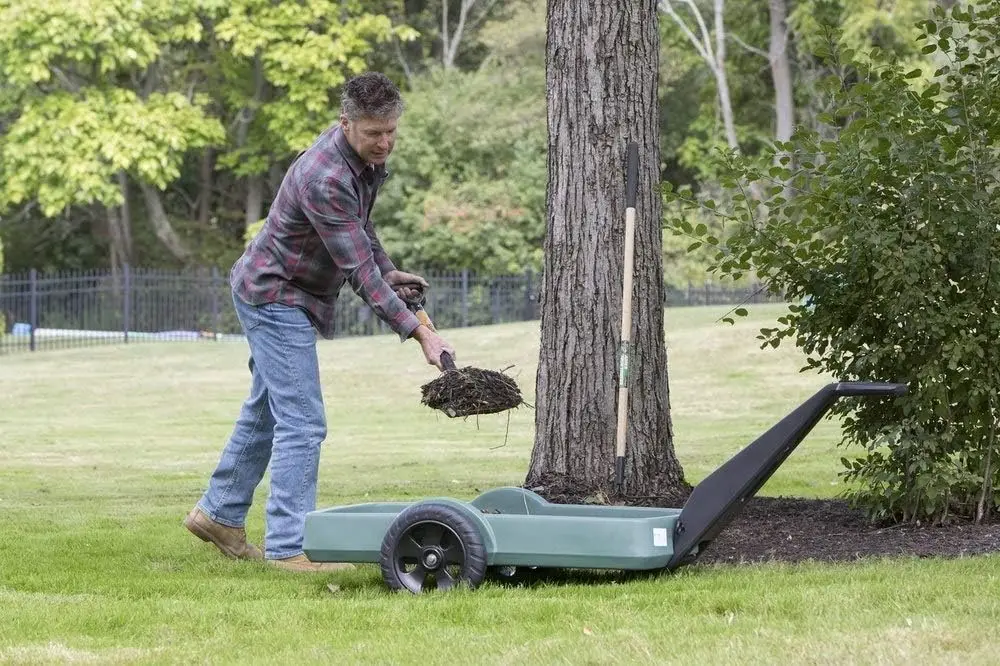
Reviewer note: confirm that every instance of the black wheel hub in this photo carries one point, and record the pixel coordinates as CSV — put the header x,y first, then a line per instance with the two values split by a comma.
x,y
429,555
432,558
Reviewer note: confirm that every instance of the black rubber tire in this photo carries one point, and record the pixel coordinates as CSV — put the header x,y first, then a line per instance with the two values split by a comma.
x,y
430,525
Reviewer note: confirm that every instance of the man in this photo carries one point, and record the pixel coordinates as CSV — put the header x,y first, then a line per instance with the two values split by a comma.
x,y
317,236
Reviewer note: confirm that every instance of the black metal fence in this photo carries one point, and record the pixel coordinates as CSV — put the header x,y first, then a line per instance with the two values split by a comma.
x,y
50,311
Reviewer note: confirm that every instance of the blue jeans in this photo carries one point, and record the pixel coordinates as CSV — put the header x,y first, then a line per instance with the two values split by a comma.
x,y
282,422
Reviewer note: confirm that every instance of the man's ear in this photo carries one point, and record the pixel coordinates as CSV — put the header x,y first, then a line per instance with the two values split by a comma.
x,y
344,122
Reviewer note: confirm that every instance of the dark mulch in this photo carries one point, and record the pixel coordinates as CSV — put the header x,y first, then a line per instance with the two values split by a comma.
x,y
470,391
796,529
788,529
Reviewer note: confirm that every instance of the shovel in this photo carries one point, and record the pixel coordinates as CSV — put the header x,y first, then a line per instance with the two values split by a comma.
x,y
467,391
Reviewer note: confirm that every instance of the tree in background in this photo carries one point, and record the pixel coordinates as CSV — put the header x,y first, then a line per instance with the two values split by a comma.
x,y
887,255
468,173
139,116
281,68
93,108
602,61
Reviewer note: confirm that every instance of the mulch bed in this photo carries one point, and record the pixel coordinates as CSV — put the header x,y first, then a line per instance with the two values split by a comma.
x,y
796,529
789,529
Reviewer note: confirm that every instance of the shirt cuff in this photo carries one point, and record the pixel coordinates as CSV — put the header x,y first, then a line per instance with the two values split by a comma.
x,y
407,326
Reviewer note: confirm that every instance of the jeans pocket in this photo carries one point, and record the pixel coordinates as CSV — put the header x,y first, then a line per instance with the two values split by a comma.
x,y
287,316
248,315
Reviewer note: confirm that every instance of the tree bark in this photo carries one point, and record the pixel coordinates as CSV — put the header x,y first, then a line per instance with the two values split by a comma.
x,y
255,200
602,64
722,80
255,182
781,72
161,223
206,183
714,57
120,227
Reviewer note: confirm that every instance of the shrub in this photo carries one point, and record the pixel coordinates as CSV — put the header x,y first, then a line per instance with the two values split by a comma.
x,y
885,241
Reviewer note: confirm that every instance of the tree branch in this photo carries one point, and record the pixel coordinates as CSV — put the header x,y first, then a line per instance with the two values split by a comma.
x,y
456,39
483,15
667,7
705,32
752,49
445,41
402,61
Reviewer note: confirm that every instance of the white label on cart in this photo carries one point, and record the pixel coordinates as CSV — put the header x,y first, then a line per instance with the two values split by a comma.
x,y
659,536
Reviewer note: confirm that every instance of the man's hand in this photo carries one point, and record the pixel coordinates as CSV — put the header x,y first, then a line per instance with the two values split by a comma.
x,y
432,344
407,286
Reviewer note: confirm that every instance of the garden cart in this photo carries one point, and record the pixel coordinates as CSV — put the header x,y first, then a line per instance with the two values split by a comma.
x,y
441,543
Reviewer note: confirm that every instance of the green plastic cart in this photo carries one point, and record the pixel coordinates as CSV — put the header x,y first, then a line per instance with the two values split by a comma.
x,y
440,543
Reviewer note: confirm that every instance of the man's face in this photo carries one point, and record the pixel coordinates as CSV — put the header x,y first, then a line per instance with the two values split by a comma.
x,y
372,138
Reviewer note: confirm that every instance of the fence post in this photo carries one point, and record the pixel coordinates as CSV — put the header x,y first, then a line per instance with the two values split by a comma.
x,y
495,286
32,306
214,289
528,310
126,300
465,297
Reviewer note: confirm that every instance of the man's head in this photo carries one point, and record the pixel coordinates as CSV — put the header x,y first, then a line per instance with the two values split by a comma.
x,y
370,109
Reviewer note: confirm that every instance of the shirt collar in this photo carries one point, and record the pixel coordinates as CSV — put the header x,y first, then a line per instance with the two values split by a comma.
x,y
370,173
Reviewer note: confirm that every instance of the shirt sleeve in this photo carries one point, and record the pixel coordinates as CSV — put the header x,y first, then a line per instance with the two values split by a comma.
x,y
382,259
331,205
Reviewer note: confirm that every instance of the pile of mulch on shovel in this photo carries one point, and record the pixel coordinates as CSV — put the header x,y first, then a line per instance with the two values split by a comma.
x,y
469,391
790,529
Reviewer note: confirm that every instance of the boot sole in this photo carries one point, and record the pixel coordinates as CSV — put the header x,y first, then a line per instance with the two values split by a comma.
x,y
309,569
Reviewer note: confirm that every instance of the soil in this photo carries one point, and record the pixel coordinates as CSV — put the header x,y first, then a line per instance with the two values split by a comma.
x,y
789,529
470,391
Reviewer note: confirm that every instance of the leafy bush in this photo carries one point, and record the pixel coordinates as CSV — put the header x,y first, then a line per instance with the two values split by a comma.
x,y
468,174
885,243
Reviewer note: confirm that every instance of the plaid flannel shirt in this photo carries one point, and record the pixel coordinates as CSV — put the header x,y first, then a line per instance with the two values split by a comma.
x,y
319,235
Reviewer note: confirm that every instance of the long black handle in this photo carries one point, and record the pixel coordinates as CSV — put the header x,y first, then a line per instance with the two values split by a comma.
x,y
869,388
717,499
631,174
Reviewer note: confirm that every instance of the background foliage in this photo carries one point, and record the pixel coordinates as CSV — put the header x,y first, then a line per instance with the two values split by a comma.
x,y
886,242
114,111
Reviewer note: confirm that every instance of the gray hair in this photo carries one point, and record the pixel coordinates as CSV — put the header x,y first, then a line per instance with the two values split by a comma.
x,y
371,95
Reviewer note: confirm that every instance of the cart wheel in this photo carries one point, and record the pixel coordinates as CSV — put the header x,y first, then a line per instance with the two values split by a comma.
x,y
432,546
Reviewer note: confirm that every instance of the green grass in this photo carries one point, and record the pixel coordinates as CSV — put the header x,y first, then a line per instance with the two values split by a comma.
x,y
104,449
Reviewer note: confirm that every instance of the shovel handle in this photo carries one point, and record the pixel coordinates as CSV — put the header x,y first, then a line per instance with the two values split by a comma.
x,y
447,361
424,318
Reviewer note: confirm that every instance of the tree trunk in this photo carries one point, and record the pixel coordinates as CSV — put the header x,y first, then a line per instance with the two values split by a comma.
x,y
714,57
255,182
255,200
205,186
722,80
602,64
781,72
161,223
120,228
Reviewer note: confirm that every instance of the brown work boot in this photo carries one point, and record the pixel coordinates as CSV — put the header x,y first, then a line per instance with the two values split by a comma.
x,y
232,541
302,564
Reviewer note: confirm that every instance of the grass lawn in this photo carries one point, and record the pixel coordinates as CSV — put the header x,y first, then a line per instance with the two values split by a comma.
x,y
103,450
